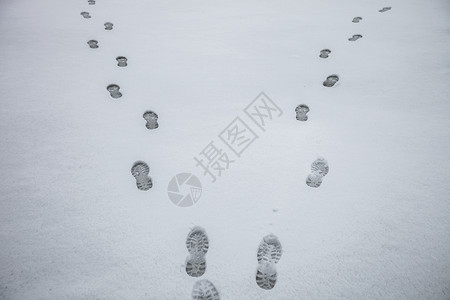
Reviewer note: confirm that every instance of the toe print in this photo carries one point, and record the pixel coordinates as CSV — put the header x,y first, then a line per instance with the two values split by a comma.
x,y
140,171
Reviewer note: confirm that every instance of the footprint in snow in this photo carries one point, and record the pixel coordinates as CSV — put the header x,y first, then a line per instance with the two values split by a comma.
x,y
319,168
384,9
152,119
268,255
301,112
357,19
122,61
93,44
85,15
197,244
91,2
113,90
324,53
204,290
140,171
355,37
331,81
108,26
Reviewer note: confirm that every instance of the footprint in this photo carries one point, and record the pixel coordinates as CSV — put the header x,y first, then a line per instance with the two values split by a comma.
x,y
113,89
204,290
93,44
269,254
152,119
384,9
319,168
197,244
140,171
108,26
301,112
331,80
91,2
355,37
121,61
85,15
357,19
324,53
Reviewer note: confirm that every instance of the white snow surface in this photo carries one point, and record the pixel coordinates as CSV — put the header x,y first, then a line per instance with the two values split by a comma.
x,y
73,225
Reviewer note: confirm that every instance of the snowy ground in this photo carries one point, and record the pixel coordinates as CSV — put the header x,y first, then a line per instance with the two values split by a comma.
x,y
73,225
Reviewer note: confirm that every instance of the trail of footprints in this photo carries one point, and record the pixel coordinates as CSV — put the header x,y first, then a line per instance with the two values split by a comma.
x,y
197,243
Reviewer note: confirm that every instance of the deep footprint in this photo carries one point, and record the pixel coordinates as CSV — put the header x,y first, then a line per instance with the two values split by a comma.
x,y
108,26
91,2
122,61
268,255
384,9
355,37
205,290
85,15
301,112
93,44
113,90
331,81
140,171
197,244
152,119
324,53
356,19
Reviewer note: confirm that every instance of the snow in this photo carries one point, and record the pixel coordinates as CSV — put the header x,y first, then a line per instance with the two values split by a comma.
x,y
73,225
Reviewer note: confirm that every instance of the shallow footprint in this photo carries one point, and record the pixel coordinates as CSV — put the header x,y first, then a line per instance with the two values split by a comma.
x,y
93,44
357,19
384,9
268,255
320,165
152,119
301,112
331,81
205,290
140,171
85,15
324,53
197,244
91,2
355,37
